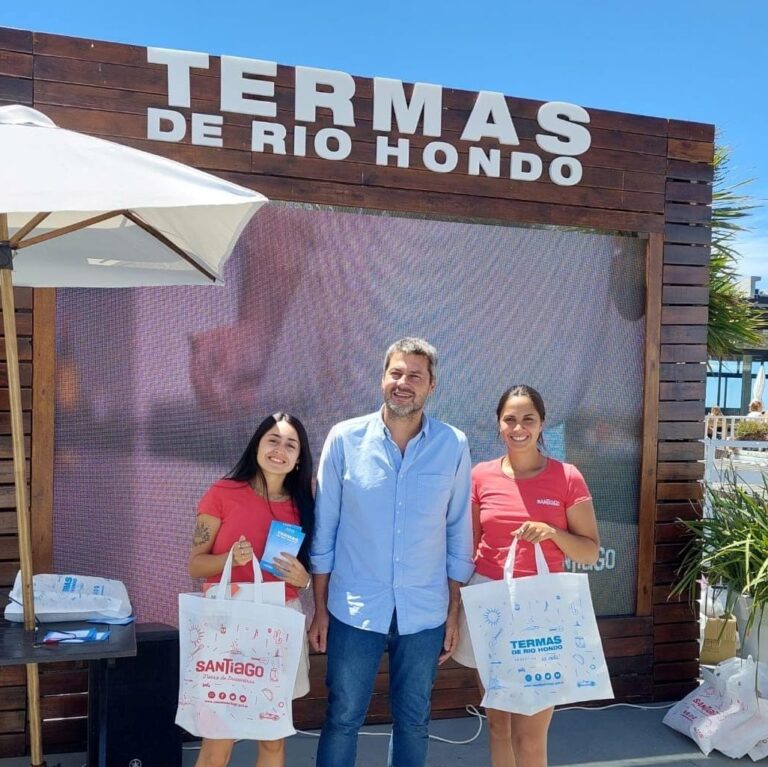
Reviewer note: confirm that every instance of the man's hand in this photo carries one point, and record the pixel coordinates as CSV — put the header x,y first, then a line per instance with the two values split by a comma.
x,y
451,640
318,631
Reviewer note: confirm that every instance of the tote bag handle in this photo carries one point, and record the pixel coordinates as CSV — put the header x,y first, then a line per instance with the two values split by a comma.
x,y
226,576
542,568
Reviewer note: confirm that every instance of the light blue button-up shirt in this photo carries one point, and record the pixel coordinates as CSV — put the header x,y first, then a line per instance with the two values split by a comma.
x,y
391,528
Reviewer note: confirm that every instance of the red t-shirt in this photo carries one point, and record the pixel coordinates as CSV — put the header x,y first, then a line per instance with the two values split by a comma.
x,y
506,503
243,512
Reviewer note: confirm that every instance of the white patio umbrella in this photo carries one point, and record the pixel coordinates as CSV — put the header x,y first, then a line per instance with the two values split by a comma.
x,y
758,387
78,211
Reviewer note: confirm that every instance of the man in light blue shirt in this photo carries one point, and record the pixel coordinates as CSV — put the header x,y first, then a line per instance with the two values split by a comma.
x,y
392,545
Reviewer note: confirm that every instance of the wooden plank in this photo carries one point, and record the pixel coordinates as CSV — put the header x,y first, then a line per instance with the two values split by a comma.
x,y
682,191
673,690
691,131
680,430
684,334
443,203
628,646
15,40
23,324
12,721
672,511
25,374
663,594
15,64
675,274
684,315
679,670
12,698
236,132
694,151
675,491
670,532
6,447
25,349
64,682
5,424
8,572
653,271
682,451
11,676
690,255
683,372
634,664
64,706
624,627
15,90
7,522
684,353
677,651
682,391
12,745
687,213
9,547
685,294
622,127
673,471
688,233
633,686
690,171
43,414
674,613
681,411
69,734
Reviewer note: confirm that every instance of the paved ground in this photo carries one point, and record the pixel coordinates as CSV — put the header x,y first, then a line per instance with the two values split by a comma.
x,y
613,737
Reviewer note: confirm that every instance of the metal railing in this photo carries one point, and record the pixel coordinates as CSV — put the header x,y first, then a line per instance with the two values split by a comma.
x,y
724,450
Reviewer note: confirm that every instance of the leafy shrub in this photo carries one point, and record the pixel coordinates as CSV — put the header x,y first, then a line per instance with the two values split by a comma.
x,y
752,428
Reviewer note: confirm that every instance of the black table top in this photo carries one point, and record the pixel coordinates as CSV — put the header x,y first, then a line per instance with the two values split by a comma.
x,y
18,646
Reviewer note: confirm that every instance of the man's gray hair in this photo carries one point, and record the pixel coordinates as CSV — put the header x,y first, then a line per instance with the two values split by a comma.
x,y
412,345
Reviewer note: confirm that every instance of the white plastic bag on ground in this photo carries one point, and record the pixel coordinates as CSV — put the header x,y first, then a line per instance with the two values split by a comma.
x,y
722,703
70,598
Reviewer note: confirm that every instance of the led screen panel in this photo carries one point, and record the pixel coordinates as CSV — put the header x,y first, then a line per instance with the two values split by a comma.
x,y
159,389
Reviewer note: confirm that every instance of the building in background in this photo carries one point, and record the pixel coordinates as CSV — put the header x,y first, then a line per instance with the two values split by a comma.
x,y
730,380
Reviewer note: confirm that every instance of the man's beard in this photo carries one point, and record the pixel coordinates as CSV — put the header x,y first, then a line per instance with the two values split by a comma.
x,y
403,411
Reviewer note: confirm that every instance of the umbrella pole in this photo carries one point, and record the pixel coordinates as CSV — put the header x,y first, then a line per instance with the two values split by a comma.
x,y
20,480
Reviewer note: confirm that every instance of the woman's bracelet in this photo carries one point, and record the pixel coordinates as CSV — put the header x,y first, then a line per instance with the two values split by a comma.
x,y
309,583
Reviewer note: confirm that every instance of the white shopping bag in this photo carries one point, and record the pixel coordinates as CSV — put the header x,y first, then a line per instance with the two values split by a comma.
x,y
238,663
535,639
70,598
718,708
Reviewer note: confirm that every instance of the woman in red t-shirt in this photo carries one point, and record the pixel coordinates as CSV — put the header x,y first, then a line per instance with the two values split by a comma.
x,y
272,480
538,500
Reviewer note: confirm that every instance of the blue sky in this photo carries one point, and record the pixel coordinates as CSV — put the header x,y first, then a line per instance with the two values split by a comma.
x,y
689,59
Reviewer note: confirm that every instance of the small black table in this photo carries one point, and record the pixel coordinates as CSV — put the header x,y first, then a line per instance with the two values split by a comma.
x,y
19,647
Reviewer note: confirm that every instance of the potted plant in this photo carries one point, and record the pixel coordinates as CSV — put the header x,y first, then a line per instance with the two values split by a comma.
x,y
752,429
729,547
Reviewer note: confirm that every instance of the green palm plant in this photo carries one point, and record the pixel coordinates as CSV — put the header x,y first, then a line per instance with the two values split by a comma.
x,y
729,544
734,323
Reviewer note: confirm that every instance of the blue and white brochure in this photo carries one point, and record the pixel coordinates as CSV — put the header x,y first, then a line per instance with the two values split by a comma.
x,y
282,537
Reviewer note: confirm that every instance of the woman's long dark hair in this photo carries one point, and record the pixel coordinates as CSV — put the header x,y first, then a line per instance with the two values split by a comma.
x,y
297,483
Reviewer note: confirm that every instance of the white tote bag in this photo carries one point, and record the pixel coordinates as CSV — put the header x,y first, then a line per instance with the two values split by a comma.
x,y
535,639
238,663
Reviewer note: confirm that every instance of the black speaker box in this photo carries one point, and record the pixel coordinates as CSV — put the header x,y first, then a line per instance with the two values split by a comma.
x,y
132,704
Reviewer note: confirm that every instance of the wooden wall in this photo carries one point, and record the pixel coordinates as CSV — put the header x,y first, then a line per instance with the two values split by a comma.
x,y
642,174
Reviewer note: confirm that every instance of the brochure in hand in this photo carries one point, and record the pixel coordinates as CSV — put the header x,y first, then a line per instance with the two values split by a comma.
x,y
282,537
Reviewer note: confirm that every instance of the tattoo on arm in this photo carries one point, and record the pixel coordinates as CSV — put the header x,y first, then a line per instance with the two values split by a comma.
x,y
202,534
